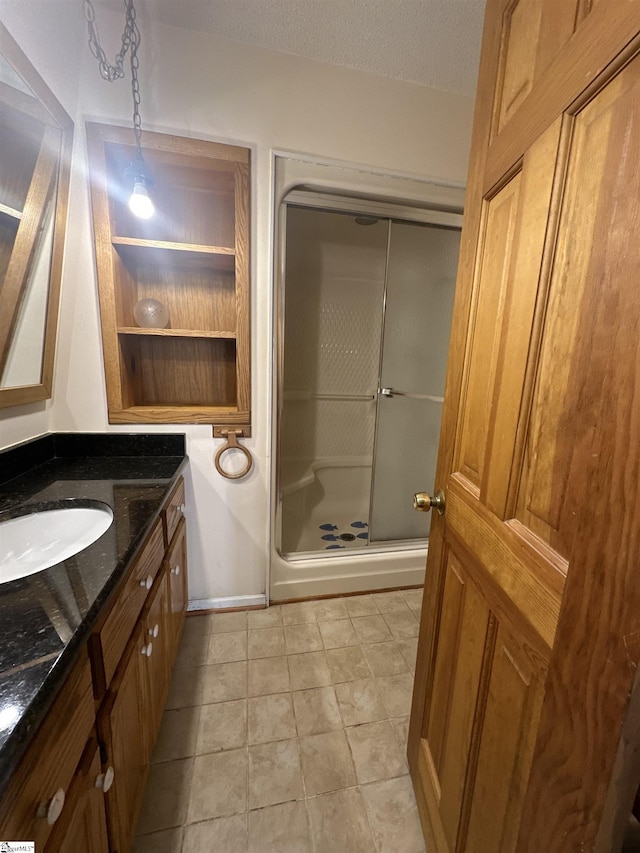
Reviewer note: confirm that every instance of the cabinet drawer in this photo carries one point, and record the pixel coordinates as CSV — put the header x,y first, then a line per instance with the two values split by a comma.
x,y
109,641
173,511
48,767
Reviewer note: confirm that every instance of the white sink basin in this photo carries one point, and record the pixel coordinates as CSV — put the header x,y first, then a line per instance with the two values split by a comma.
x,y
37,540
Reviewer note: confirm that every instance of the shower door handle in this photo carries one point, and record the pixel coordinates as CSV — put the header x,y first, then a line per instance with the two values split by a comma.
x,y
393,392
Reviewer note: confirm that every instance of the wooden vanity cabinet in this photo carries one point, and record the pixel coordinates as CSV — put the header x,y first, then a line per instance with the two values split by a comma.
x,y
108,641
177,575
38,792
88,763
82,825
173,512
121,727
158,661
131,712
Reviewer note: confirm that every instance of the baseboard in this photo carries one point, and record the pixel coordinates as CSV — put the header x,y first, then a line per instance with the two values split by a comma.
x,y
231,602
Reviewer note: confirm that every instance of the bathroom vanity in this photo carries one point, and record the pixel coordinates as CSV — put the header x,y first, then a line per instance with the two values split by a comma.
x,y
87,646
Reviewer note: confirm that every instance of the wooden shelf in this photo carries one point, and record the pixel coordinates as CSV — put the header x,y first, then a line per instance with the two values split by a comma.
x,y
176,333
192,255
169,254
220,415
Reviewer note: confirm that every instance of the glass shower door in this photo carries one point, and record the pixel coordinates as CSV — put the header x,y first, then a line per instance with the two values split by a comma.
x,y
421,274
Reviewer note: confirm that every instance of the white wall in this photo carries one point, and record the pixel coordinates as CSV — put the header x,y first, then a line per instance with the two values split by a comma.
x,y
195,84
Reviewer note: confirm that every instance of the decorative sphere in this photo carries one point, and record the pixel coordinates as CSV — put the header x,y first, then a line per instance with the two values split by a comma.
x,y
150,314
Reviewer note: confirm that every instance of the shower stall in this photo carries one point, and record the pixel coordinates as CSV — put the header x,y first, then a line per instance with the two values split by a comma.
x,y
365,302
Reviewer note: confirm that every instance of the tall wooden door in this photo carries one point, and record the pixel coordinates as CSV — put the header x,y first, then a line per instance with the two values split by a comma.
x,y
523,720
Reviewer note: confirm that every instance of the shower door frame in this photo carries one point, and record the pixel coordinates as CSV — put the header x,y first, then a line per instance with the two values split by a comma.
x,y
391,211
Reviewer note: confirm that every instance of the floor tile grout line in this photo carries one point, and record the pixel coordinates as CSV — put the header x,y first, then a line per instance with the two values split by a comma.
x,y
333,684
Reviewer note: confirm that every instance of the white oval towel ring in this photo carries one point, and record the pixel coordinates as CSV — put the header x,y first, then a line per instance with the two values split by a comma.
x,y
232,443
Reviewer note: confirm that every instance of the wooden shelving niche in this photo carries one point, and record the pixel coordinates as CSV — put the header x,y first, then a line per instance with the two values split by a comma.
x,y
192,255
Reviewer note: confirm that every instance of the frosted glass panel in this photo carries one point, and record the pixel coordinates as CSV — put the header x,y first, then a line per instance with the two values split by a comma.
x,y
420,287
405,463
421,279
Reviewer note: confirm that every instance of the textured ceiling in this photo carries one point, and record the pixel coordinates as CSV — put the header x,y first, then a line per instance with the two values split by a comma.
x,y
432,42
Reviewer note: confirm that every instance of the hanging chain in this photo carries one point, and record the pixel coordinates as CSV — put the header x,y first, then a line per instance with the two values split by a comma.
x,y
130,41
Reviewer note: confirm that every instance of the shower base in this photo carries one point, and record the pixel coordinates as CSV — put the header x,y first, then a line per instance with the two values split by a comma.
x,y
326,505
326,531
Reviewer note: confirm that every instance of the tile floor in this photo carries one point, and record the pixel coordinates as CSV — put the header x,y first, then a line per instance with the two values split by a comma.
x,y
285,730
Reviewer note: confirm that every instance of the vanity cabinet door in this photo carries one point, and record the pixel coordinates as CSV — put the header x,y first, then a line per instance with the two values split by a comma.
x,y
178,594
121,730
173,511
156,663
38,795
110,638
85,826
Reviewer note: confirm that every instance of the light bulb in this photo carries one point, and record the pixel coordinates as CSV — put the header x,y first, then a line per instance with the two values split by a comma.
x,y
139,202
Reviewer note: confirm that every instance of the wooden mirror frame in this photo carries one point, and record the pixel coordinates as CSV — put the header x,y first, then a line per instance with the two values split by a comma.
x,y
15,56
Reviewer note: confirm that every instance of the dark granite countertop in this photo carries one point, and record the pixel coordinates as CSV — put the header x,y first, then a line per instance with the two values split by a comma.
x,y
45,618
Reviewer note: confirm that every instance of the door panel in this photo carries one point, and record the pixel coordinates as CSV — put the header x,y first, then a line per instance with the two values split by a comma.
x,y
471,634
510,718
528,648
521,28
494,254
560,426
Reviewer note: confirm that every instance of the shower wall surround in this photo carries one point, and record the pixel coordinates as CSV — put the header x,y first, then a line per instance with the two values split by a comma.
x,y
367,311
334,292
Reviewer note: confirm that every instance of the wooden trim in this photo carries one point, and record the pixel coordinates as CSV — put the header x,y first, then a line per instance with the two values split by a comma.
x,y
243,285
182,146
346,594
177,415
17,276
436,561
58,117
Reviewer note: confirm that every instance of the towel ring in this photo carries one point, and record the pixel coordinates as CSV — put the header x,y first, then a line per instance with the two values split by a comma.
x,y
233,444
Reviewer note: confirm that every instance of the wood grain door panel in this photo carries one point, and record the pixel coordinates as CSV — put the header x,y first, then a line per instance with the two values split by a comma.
x,y
529,645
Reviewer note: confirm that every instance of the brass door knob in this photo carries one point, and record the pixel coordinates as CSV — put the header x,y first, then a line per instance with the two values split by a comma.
x,y
423,502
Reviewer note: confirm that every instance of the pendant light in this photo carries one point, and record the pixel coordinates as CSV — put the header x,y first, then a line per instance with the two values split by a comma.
x,y
137,174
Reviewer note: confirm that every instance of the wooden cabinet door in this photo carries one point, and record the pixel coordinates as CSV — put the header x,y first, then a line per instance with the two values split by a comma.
x,y
156,664
178,594
121,730
83,825
528,648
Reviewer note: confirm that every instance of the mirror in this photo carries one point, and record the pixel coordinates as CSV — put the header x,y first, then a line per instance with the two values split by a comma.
x,y
35,149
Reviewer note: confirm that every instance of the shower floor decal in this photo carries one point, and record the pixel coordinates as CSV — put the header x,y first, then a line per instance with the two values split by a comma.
x,y
343,534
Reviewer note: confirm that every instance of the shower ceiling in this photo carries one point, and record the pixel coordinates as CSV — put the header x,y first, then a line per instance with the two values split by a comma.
x,y
432,42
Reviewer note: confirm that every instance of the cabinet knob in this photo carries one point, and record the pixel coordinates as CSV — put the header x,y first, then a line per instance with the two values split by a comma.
x,y
181,509
105,780
146,650
147,583
153,632
175,570
53,809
